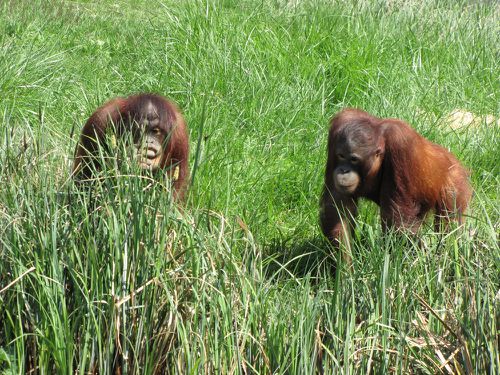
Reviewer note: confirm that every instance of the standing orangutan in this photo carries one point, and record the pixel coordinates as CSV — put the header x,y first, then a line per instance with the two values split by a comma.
x,y
388,162
156,128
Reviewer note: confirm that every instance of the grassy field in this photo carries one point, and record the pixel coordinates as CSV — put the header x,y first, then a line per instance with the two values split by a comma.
x,y
241,280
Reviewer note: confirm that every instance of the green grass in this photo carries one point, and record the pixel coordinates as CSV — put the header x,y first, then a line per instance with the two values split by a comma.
x,y
240,280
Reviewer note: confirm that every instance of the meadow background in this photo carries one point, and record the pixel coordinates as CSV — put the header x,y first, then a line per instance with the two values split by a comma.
x,y
240,281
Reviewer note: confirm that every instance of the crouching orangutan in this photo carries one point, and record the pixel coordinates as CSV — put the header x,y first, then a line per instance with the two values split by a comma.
x,y
152,123
389,163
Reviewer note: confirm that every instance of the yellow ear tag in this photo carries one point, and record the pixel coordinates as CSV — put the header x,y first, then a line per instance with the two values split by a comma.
x,y
176,173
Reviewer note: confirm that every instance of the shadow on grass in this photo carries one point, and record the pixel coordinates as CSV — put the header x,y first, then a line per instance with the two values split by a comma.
x,y
299,258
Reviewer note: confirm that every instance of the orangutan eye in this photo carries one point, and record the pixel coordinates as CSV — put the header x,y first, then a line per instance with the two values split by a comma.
x,y
354,159
341,156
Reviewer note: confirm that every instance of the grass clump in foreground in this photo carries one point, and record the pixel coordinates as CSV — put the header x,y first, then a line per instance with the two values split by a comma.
x,y
240,281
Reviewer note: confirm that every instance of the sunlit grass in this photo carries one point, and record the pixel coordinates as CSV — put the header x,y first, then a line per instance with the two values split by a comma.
x,y
239,279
